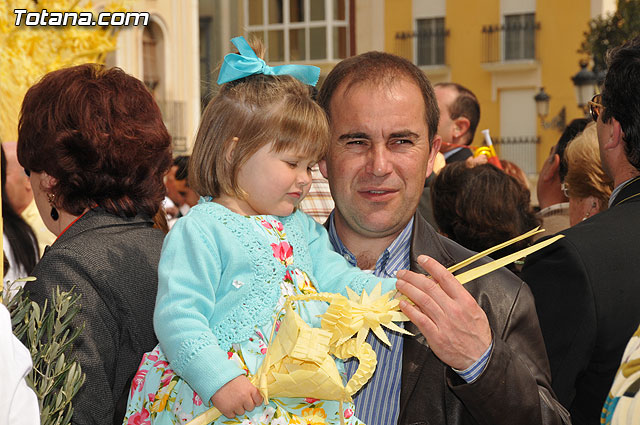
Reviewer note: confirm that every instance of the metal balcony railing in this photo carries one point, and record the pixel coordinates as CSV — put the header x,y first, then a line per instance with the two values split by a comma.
x,y
515,39
430,45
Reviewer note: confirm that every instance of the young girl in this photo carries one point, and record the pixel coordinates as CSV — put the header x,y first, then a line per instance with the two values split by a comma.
x,y
227,267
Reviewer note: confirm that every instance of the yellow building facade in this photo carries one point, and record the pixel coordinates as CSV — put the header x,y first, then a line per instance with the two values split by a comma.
x,y
504,51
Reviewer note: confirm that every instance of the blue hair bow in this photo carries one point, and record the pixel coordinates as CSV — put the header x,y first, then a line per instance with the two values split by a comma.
x,y
248,63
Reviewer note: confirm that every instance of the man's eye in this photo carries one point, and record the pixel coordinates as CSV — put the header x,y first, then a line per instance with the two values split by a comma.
x,y
403,142
355,142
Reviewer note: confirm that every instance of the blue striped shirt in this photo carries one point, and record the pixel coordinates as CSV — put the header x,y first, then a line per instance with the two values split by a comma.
x,y
378,402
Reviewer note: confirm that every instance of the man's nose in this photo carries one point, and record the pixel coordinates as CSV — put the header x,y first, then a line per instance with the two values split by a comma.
x,y
379,163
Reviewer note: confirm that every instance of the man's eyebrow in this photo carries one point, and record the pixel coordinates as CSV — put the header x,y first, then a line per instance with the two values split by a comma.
x,y
405,133
358,135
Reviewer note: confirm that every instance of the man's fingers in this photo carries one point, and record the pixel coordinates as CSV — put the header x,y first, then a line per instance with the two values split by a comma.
x,y
423,292
440,274
421,320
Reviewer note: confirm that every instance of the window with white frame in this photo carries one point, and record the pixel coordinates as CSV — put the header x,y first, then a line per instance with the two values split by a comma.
x,y
519,36
430,36
299,30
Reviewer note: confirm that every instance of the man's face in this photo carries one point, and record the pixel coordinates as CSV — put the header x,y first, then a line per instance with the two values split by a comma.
x,y
446,126
172,189
185,192
379,156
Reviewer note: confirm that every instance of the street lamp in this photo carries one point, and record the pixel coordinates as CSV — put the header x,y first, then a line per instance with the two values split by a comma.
x,y
542,108
585,82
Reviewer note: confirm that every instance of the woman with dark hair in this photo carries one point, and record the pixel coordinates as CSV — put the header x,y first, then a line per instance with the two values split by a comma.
x,y
94,144
19,242
481,207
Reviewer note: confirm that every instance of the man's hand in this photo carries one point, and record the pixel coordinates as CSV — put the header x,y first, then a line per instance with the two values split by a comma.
x,y
236,397
451,320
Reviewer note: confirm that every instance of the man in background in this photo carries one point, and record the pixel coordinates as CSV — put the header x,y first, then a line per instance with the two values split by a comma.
x,y
553,202
459,117
587,285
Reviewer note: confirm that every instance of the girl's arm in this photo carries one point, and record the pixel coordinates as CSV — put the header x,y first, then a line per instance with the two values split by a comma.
x,y
332,272
189,275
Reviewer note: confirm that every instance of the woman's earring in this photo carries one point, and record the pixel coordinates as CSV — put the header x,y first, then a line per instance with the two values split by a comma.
x,y
54,212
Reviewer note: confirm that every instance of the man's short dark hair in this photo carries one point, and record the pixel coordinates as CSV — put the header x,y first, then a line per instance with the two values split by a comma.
x,y
182,162
466,105
574,128
621,95
380,69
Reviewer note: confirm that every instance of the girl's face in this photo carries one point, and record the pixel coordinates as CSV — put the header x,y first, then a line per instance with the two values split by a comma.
x,y
275,183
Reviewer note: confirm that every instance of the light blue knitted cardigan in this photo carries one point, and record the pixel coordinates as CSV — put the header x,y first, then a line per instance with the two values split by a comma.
x,y
218,280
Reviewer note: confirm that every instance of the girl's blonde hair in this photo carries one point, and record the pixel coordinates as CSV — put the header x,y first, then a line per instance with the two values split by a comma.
x,y
246,115
585,176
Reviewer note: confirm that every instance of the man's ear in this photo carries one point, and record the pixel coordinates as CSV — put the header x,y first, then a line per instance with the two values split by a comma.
x,y
322,165
614,135
433,151
461,126
552,169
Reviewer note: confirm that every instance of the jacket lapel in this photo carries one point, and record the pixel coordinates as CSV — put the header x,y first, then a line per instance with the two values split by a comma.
x,y
424,240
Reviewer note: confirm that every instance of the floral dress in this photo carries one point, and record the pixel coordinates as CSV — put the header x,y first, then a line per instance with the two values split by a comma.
x,y
158,396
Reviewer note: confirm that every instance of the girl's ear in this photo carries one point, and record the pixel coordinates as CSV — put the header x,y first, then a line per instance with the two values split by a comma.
x,y
228,154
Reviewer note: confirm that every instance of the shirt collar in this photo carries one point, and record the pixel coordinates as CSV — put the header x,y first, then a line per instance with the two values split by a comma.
x,y
618,189
395,257
451,152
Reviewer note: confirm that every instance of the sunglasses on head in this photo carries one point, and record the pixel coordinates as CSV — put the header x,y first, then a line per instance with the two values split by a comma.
x,y
595,107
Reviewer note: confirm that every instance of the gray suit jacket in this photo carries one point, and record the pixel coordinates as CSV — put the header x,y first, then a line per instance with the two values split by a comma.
x,y
515,388
112,262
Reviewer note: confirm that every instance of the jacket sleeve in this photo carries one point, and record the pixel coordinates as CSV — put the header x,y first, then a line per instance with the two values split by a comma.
x,y
96,347
565,303
332,272
515,387
188,277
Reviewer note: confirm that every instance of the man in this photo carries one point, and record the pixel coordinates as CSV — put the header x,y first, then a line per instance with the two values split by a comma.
x,y
587,285
20,196
459,116
554,204
181,184
180,197
384,116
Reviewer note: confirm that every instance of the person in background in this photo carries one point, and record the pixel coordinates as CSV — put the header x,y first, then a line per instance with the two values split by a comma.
x,y
20,196
554,205
511,168
586,184
96,149
587,285
18,402
623,402
19,243
182,184
459,117
481,207
318,203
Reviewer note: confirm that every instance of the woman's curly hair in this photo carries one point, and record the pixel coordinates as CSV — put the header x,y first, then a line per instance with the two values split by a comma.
x,y
100,134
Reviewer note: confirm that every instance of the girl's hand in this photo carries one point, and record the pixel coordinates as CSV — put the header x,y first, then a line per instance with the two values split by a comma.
x,y
236,397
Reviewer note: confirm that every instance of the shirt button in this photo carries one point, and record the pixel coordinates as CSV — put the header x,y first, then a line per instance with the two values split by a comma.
x,y
346,256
